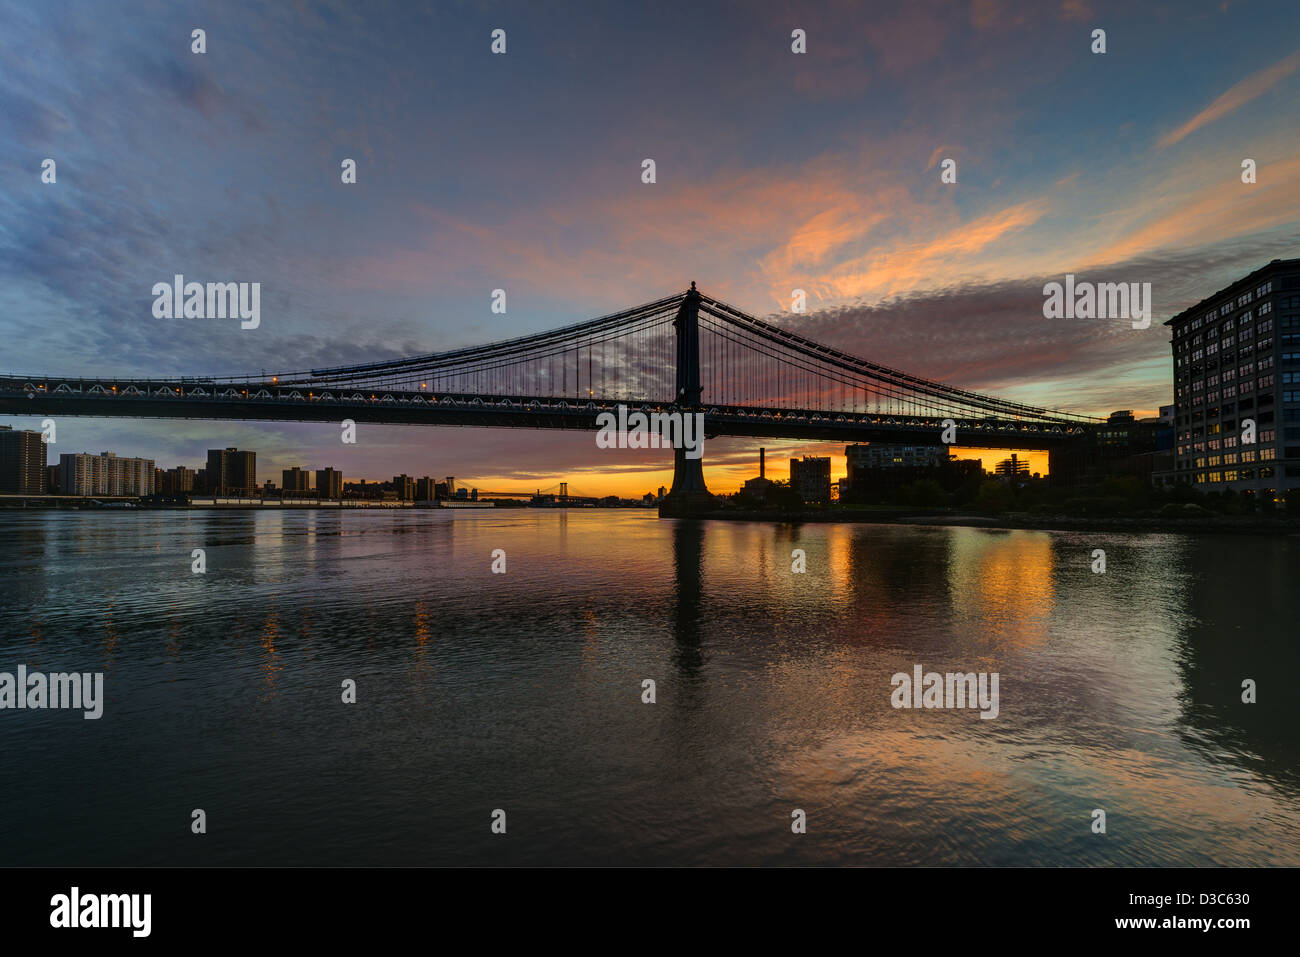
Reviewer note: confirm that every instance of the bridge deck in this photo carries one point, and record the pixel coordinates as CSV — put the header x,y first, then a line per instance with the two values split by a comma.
x,y
196,399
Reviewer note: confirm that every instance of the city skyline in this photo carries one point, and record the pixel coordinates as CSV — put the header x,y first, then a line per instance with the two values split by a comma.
x,y
310,470
306,476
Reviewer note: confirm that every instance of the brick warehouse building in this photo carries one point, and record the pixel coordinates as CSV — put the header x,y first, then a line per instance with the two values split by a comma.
x,y
1237,358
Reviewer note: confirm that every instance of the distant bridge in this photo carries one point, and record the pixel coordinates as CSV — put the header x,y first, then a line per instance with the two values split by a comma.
x,y
688,352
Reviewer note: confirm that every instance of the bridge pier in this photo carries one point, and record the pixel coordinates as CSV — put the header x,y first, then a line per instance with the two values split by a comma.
x,y
689,494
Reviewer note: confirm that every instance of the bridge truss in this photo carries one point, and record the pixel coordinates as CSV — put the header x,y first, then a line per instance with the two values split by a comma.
x,y
688,351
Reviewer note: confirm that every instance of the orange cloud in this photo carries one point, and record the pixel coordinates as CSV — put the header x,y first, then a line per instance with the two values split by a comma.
x,y
906,267
1223,211
1239,94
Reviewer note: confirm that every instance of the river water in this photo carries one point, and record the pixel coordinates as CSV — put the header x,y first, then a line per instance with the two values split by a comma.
x,y
523,691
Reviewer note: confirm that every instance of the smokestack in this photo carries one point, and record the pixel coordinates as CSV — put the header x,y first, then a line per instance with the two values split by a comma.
x,y
762,463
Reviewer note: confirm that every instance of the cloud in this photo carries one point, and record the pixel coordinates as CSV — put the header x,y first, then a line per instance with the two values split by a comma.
x,y
1226,210
1238,95
992,337
1076,10
901,266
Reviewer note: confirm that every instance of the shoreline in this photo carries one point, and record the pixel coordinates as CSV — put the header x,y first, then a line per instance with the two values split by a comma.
x,y
1201,524
1234,524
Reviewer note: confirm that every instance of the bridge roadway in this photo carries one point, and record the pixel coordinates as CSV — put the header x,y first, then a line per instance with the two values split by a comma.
x,y
269,401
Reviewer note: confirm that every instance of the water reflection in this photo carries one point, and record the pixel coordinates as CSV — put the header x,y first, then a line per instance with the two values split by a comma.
x,y
1119,690
688,597
1239,623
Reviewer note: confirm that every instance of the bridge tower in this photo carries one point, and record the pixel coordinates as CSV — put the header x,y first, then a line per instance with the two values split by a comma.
x,y
688,493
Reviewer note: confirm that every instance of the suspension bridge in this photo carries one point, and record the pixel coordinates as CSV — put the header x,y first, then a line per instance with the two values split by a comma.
x,y
688,352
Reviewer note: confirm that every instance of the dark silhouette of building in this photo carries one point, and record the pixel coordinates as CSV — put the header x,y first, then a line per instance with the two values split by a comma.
x,y
1122,446
404,485
22,462
877,471
232,472
811,478
426,490
295,481
329,484
1012,468
756,488
177,481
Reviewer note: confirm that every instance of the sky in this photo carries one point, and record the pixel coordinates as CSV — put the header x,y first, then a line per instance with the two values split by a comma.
x,y
774,171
